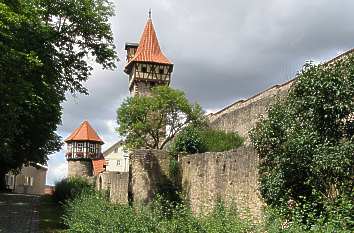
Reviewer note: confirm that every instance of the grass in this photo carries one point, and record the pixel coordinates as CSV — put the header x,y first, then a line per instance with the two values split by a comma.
x,y
50,214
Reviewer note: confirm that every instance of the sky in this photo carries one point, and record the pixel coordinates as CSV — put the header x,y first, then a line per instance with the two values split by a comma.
x,y
222,51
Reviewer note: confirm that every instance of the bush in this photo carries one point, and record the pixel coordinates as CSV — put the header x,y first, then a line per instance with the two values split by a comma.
x,y
69,188
92,212
199,140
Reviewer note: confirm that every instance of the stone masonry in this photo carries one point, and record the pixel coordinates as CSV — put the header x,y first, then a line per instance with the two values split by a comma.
x,y
116,184
149,170
228,176
80,168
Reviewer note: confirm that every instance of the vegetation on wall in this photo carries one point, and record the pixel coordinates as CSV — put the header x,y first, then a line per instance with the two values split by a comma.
x,y
152,121
195,139
306,148
43,54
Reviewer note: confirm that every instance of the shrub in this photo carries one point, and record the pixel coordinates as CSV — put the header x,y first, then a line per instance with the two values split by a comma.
x,y
199,140
306,146
92,212
69,188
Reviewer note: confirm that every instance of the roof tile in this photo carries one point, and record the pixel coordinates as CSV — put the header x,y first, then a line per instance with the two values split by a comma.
x,y
84,133
149,48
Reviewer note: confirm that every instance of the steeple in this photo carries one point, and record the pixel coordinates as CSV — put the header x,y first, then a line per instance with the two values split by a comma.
x,y
147,65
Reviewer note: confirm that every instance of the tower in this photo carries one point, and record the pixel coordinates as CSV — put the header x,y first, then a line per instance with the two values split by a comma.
x,y
83,147
146,65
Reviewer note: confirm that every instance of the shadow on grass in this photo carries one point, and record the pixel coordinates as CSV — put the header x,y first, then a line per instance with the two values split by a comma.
x,y
50,214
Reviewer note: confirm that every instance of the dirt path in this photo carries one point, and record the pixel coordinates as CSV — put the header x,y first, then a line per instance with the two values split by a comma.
x,y
19,213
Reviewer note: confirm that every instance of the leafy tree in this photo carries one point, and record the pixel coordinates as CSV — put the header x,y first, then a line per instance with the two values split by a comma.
x,y
305,144
45,49
152,121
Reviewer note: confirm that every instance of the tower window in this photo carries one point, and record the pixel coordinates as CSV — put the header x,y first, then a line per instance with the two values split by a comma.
x,y
144,69
79,147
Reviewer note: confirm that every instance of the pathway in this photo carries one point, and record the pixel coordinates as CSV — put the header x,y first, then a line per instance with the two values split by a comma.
x,y
18,213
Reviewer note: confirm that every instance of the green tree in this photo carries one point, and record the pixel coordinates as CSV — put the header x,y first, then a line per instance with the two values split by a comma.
x,y
305,144
45,49
152,121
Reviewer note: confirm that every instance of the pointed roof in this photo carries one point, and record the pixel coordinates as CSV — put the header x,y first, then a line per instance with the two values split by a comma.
x,y
84,133
149,48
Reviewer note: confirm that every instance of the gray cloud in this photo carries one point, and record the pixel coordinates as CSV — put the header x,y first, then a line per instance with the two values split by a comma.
x,y
222,50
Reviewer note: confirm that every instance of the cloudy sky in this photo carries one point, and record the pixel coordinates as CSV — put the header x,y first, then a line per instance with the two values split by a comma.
x,y
223,51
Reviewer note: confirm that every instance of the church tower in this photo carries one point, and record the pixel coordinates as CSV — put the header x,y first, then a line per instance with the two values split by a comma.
x,y
146,65
83,150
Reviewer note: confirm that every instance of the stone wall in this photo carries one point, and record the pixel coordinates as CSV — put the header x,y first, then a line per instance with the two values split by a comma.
x,y
149,174
80,168
116,184
242,115
229,176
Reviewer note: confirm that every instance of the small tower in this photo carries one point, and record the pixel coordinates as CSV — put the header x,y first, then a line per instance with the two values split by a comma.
x,y
83,147
147,66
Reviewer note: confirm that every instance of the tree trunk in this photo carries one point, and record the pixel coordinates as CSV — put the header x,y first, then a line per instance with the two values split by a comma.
x,y
2,180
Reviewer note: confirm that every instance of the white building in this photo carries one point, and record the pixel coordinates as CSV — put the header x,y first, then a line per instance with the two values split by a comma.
x,y
117,159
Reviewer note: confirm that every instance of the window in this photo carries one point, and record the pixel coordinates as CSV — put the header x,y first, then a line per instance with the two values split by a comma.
x,y
69,147
144,69
28,181
116,150
79,147
161,71
118,162
92,147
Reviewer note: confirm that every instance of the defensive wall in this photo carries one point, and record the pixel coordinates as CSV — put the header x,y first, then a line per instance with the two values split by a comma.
x,y
243,115
231,177
116,185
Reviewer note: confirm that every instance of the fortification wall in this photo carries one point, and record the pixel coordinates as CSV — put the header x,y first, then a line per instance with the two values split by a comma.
x,y
242,115
116,183
149,170
229,176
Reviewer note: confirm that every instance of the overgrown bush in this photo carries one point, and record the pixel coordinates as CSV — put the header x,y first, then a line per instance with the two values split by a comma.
x,y
194,139
71,187
306,148
91,212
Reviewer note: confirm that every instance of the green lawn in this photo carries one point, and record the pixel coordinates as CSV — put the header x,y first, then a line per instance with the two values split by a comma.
x,y
50,216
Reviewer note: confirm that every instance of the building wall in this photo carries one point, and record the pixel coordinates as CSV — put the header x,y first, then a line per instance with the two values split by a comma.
x,y
116,183
80,168
117,159
228,176
149,170
30,180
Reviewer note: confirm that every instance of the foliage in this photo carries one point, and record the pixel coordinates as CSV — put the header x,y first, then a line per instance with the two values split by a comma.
x,y
194,139
152,121
306,144
93,213
45,49
69,188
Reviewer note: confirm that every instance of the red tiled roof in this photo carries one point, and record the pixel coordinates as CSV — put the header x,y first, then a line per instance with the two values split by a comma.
x,y
149,48
84,133
98,166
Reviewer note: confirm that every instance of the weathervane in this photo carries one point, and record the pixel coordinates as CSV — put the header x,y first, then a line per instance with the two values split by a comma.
x,y
150,13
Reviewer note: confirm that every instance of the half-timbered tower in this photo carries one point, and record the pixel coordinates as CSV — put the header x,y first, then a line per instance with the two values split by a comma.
x,y
147,66
83,150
